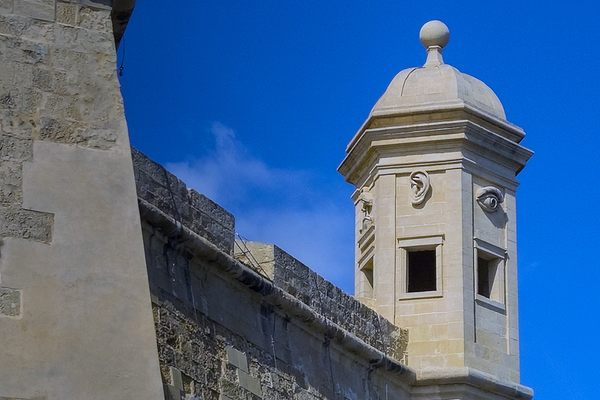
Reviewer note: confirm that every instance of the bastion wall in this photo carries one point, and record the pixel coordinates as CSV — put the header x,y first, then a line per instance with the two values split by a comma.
x,y
227,329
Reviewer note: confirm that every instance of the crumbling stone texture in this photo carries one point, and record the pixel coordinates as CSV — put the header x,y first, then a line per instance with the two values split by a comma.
x,y
26,224
57,58
38,9
330,301
56,66
165,191
66,13
11,192
297,279
6,6
199,348
227,343
10,302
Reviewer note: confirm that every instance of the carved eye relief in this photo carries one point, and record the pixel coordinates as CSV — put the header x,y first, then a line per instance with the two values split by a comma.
x,y
489,198
419,187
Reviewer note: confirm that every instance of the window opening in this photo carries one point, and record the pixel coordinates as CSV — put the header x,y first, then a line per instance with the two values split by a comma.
x,y
421,271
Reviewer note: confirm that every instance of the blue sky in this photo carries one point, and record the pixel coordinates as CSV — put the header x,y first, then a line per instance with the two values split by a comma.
x,y
253,103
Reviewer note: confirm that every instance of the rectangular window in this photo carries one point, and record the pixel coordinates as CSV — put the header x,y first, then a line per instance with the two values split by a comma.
x,y
421,271
368,279
486,272
419,261
490,263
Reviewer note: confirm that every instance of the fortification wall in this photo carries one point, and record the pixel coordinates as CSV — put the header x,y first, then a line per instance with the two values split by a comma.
x,y
75,311
227,332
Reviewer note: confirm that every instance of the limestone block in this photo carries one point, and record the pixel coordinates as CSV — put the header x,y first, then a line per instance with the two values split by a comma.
x,y
38,9
11,180
250,383
42,79
176,378
66,13
237,358
26,224
6,6
94,20
10,302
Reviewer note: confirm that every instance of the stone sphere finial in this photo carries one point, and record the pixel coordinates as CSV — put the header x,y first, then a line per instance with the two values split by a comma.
x,y
434,33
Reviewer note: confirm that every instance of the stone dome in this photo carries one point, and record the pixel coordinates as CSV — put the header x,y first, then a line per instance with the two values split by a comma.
x,y
436,84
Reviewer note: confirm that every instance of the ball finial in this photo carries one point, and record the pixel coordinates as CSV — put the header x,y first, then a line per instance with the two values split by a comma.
x,y
434,33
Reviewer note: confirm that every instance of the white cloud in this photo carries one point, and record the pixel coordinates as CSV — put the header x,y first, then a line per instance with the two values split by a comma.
x,y
283,206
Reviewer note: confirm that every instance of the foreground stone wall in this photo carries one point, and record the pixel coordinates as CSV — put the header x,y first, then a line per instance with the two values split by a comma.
x,y
75,310
222,334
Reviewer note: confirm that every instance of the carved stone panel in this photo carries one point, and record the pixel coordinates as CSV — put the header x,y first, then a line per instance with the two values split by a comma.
x,y
489,198
419,187
365,200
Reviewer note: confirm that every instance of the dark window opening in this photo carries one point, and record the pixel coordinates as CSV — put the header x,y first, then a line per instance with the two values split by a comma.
x,y
368,284
421,271
485,276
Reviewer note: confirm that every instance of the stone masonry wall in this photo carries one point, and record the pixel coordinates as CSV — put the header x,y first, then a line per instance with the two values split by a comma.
x,y
160,188
56,57
75,311
218,339
315,291
52,88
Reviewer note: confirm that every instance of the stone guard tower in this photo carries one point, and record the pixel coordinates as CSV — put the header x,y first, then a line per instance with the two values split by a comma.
x,y
435,167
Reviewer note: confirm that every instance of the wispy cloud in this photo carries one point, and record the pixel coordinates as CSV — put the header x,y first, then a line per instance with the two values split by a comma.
x,y
288,207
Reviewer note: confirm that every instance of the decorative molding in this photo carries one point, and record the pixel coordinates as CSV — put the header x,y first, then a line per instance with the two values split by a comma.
x,y
420,186
490,248
489,198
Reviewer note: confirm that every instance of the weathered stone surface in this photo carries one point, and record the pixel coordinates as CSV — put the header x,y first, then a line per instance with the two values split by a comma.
x,y
90,18
38,9
6,6
330,301
69,223
15,149
66,13
197,344
10,302
11,176
26,224
165,191
228,343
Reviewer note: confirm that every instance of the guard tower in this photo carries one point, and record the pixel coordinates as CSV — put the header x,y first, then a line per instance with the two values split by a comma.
x,y
435,168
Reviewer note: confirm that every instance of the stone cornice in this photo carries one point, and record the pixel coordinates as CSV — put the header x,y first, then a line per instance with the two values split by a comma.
x,y
439,111
423,136
435,379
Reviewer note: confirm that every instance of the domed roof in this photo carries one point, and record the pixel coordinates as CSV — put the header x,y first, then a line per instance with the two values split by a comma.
x,y
436,84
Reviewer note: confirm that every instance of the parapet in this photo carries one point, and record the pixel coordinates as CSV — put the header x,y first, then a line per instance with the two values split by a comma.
x,y
324,297
159,188
159,191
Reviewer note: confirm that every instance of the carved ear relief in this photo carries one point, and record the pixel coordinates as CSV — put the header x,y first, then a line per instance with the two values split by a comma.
x,y
489,198
419,187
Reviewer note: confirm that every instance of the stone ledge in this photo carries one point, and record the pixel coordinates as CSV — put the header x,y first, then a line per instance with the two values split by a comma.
x,y
433,379
306,285
203,249
193,210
